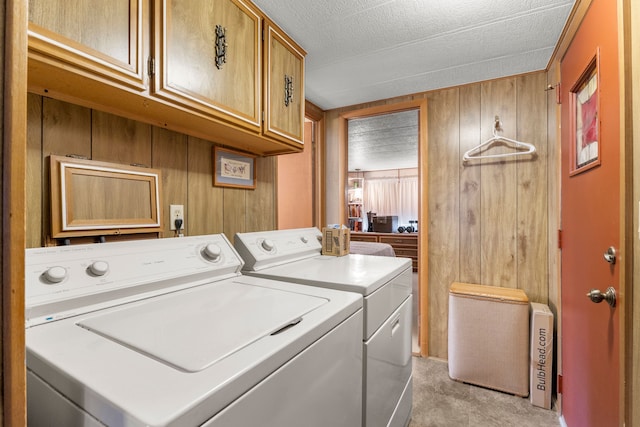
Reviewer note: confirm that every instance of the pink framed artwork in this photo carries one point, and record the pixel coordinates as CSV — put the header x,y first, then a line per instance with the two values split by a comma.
x,y
585,119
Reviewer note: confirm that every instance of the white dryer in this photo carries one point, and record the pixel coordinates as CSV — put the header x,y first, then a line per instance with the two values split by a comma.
x,y
169,333
384,282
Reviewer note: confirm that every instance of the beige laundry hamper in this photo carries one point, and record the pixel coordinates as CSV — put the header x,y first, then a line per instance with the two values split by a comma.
x,y
489,337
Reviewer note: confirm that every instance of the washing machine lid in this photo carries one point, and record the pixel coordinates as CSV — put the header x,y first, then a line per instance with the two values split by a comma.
x,y
193,330
130,364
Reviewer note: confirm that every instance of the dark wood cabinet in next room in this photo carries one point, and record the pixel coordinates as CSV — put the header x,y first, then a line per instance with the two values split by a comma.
x,y
404,245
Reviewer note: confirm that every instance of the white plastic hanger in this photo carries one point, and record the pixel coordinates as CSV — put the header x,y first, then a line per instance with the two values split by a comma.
x,y
522,148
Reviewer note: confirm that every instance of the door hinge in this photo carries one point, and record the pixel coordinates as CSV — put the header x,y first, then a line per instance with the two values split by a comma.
x,y
151,67
558,94
559,239
559,384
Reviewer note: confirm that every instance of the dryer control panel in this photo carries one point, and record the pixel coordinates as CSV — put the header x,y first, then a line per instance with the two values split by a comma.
x,y
263,249
62,281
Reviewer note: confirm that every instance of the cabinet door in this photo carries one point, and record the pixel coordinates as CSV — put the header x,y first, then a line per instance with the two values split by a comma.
x,y
284,89
209,53
102,40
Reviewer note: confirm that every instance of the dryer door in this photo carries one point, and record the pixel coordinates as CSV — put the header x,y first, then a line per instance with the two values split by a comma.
x,y
387,358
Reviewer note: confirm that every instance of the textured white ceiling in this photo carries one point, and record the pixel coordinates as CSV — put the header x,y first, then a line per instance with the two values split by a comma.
x,y
387,141
365,50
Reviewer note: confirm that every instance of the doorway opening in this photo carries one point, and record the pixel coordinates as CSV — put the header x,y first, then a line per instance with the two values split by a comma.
x,y
383,131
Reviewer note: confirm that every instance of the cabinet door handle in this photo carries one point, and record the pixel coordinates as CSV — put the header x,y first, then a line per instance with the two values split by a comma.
x,y
288,90
221,46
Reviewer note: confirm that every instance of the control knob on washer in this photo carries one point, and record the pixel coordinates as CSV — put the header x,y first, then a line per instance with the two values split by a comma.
x,y
55,274
212,252
99,268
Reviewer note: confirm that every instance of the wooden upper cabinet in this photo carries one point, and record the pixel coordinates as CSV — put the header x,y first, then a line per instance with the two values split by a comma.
x,y
209,54
105,40
284,87
214,69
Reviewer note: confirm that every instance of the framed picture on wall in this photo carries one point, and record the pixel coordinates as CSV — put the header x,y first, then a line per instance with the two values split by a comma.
x,y
233,169
584,104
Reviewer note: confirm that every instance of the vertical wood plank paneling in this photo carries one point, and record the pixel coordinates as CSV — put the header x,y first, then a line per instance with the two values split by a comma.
x,y
443,204
186,165
119,140
35,167
532,188
501,218
470,175
235,211
498,190
261,203
66,129
204,208
169,154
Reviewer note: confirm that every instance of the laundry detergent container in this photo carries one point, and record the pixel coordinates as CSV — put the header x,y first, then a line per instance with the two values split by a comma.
x,y
489,337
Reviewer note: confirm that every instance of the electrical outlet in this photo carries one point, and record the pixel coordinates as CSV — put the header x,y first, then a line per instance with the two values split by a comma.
x,y
176,212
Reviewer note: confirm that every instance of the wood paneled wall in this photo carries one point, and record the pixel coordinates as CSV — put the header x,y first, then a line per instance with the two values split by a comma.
x,y
56,127
488,221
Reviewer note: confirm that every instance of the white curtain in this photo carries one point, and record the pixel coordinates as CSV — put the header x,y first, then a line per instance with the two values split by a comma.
x,y
392,196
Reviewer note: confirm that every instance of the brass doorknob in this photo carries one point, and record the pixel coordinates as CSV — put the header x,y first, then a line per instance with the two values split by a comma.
x,y
609,296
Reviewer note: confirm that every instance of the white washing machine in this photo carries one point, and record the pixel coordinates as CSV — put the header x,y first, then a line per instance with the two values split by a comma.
x,y
384,282
169,333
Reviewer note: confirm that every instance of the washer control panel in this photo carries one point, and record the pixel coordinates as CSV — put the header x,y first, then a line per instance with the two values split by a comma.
x,y
61,279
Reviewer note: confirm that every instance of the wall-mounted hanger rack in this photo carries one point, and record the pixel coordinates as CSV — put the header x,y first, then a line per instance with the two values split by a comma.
x,y
521,148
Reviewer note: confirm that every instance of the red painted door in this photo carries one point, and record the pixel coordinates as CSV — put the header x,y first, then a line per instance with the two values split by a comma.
x,y
590,220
